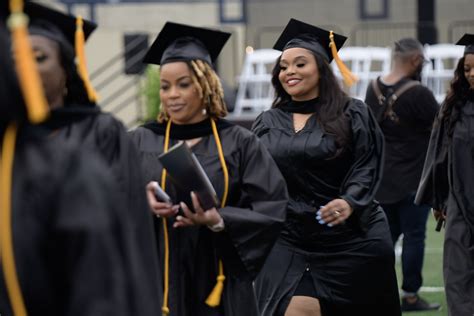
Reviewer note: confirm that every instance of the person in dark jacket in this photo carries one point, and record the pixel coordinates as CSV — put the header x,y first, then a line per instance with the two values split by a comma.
x,y
405,110
334,255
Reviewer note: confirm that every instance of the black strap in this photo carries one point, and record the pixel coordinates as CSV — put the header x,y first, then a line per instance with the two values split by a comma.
x,y
388,102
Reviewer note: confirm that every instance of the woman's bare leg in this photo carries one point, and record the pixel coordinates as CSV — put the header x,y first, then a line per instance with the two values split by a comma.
x,y
303,306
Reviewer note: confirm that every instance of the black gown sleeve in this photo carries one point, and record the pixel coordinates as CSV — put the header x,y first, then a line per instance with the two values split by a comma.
x,y
364,176
87,241
254,224
138,247
434,184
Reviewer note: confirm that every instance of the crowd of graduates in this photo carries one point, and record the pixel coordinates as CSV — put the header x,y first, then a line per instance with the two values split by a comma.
x,y
298,229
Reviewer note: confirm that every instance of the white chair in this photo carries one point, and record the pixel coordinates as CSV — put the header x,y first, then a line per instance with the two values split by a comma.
x,y
255,93
438,74
367,63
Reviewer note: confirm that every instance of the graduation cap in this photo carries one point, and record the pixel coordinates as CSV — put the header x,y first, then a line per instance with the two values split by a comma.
x,y
304,35
180,42
320,41
468,41
54,24
65,29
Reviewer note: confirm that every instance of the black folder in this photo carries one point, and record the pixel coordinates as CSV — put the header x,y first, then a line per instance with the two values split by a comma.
x,y
187,174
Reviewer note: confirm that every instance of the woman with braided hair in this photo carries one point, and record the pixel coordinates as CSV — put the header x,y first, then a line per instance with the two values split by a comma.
x,y
227,244
447,182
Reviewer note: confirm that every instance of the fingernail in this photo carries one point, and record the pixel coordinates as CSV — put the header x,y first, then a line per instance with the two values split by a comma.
x,y
318,212
318,217
322,222
182,204
330,225
179,217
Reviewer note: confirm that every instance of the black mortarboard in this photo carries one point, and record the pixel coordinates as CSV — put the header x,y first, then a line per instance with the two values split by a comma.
x,y
304,35
468,41
180,42
54,24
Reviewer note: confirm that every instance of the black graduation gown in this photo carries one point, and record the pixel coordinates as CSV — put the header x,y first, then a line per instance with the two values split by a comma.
x,y
253,218
352,265
447,184
100,132
66,235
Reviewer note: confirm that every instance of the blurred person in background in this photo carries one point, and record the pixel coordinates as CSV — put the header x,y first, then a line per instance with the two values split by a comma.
x,y
405,111
447,182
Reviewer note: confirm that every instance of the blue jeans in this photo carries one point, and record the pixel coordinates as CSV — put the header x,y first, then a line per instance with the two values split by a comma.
x,y
404,217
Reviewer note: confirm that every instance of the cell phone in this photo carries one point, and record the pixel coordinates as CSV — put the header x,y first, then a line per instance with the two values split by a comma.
x,y
161,195
439,224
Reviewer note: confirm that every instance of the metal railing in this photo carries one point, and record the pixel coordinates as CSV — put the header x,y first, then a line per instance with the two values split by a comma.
x,y
107,76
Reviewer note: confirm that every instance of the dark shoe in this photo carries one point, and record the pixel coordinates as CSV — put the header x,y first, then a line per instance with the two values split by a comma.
x,y
419,305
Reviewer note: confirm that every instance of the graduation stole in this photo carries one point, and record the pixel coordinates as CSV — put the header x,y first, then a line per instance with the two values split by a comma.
x,y
214,297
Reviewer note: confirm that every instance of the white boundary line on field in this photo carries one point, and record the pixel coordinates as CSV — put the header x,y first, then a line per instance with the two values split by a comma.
x,y
432,289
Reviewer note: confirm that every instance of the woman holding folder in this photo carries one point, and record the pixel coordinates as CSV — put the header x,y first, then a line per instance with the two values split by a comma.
x,y
209,258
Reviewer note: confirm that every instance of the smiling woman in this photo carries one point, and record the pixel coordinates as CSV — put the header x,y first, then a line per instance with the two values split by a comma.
x,y
334,255
227,244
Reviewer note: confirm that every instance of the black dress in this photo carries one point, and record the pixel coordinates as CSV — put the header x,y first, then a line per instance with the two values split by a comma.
x,y
99,132
351,265
447,184
253,217
66,231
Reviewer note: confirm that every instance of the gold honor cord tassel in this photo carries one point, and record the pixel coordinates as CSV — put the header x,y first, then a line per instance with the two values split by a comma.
x,y
81,60
6,239
214,298
347,75
26,68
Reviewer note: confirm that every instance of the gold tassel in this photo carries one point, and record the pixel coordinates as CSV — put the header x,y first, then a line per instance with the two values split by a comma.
x,y
214,298
81,60
7,255
347,75
29,79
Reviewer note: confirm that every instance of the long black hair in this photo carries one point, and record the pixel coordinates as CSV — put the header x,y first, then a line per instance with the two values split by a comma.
x,y
331,98
455,99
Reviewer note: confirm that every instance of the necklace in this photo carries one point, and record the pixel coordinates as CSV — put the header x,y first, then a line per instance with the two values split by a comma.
x,y
299,121
299,127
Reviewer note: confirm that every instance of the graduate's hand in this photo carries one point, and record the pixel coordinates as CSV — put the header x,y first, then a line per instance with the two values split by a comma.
x,y
208,217
439,214
335,212
160,209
